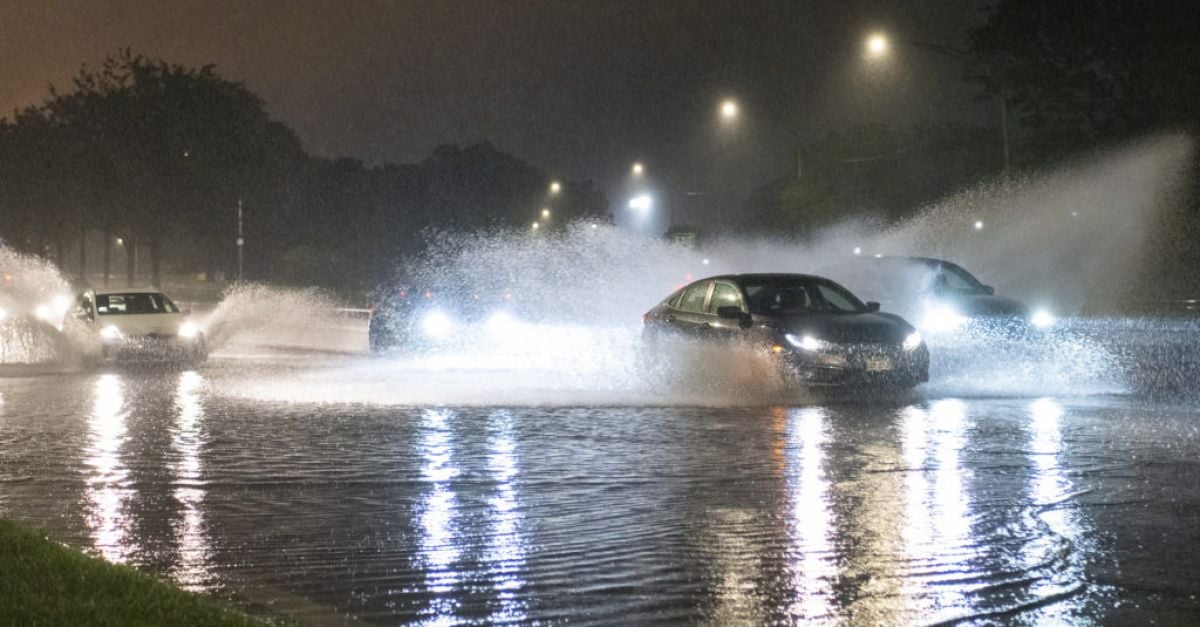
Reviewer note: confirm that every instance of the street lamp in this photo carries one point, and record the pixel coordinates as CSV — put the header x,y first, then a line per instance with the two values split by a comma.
x,y
546,212
729,110
878,47
535,226
555,187
638,170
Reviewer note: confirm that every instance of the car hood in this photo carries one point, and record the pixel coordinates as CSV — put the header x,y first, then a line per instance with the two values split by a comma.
x,y
143,324
863,328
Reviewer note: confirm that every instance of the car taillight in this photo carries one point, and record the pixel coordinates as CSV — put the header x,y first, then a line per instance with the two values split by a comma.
x,y
646,317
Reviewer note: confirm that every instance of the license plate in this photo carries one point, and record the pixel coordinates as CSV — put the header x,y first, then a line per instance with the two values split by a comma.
x,y
878,364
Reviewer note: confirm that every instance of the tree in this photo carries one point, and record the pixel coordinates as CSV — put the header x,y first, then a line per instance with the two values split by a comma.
x,y
1079,72
159,152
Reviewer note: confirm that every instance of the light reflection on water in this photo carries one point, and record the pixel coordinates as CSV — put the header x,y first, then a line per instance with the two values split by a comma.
x,y
439,549
1051,490
192,566
936,532
108,489
506,548
942,510
812,564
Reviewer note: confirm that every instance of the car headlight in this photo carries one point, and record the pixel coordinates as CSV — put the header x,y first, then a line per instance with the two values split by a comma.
x,y
1042,319
806,342
188,330
942,318
111,333
912,341
500,323
436,324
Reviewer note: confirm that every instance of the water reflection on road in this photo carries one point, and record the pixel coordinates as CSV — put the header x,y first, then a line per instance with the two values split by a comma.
x,y
107,476
187,443
942,509
812,560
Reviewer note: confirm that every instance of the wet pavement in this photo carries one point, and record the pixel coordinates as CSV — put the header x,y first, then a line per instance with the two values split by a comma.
x,y
927,509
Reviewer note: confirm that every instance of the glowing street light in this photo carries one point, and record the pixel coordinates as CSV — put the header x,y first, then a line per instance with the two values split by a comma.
x,y
555,187
877,46
638,170
979,225
546,212
729,110
535,226
641,202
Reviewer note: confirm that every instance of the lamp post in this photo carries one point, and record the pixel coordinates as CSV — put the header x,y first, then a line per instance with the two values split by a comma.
x,y
878,47
240,241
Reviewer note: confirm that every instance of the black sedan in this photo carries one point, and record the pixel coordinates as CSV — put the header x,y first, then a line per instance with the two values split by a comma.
x,y
820,330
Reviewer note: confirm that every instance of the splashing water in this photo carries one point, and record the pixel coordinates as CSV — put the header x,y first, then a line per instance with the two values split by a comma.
x,y
33,294
253,316
580,295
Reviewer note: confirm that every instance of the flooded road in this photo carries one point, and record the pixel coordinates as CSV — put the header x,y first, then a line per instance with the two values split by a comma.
x,y
928,509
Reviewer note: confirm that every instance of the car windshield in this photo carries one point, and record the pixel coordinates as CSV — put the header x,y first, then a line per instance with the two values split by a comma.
x,y
956,279
782,296
135,303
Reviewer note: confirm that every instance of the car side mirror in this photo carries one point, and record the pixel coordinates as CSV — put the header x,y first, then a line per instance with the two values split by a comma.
x,y
729,312
872,306
989,290
733,312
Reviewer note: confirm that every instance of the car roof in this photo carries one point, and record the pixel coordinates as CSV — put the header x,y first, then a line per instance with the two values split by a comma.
x,y
126,290
764,275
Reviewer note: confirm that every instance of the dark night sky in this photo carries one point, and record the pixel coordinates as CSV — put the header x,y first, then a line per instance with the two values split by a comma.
x,y
580,89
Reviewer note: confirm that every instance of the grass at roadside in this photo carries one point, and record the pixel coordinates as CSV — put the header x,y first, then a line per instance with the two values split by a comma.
x,y
45,583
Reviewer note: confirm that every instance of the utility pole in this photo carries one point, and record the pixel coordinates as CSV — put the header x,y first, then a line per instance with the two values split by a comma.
x,y
240,241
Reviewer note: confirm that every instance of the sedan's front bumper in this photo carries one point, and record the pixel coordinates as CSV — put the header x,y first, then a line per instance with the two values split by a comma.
x,y
150,348
860,365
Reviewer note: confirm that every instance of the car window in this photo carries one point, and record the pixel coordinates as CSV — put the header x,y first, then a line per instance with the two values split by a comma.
x,y
955,278
138,303
836,299
725,295
693,297
779,298
675,298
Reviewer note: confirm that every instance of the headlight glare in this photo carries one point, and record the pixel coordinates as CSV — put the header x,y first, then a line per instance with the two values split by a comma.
x,y
942,318
111,333
436,324
188,330
806,342
1042,319
912,341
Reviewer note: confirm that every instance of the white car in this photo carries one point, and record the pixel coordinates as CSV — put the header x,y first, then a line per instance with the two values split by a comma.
x,y
137,324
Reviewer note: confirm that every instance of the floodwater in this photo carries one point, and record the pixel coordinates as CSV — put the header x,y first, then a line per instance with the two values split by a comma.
x,y
924,509
553,471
